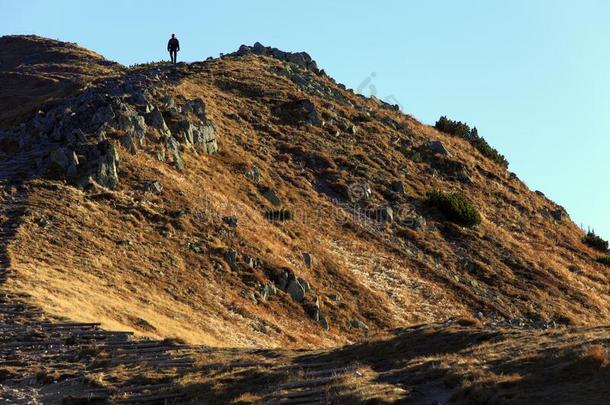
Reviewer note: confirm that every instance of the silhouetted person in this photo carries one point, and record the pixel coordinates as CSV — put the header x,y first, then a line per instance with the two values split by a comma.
x,y
173,46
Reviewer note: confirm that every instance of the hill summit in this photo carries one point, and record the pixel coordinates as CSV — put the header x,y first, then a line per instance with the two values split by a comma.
x,y
214,209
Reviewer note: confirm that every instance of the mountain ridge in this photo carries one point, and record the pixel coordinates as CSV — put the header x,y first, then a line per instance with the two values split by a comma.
x,y
251,201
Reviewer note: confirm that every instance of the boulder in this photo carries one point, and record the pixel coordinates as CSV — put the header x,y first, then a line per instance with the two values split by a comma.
x,y
198,107
103,115
282,282
296,290
174,149
129,143
299,112
184,134
204,136
437,147
558,214
61,163
301,59
105,165
155,119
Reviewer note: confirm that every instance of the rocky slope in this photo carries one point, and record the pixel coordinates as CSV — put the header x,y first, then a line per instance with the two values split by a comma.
x,y
35,70
252,201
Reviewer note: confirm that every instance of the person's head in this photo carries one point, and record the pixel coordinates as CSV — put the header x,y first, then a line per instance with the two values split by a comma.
x,y
173,35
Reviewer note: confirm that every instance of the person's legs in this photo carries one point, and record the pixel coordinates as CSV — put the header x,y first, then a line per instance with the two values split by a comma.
x,y
173,55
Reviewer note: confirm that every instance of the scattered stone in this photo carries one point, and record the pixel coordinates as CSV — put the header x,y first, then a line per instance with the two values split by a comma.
x,y
301,59
204,136
144,325
43,223
249,295
231,221
300,112
198,107
62,162
254,174
76,136
414,222
266,291
323,321
357,324
153,186
296,290
194,246
335,297
383,214
464,176
155,119
283,280
270,195
304,284
250,261
308,259
231,257
360,192
398,187
437,147
558,214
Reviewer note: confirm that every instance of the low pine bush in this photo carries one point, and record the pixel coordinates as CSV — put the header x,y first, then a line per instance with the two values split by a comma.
x,y
594,241
455,207
605,260
280,215
462,130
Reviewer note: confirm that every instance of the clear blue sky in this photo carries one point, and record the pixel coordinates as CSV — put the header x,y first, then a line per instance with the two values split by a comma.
x,y
533,76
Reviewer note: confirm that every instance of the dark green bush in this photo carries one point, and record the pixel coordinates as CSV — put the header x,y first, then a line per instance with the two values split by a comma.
x,y
363,117
280,215
594,241
462,130
455,207
605,260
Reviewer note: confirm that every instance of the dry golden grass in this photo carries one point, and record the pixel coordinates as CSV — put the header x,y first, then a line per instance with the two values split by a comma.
x,y
132,277
122,258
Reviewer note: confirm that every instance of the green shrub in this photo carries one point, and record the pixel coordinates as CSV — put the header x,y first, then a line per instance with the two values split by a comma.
x,y
280,215
594,241
455,207
605,260
462,130
363,117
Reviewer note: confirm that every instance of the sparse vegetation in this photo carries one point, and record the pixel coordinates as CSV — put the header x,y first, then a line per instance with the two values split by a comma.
x,y
455,207
596,242
363,117
280,215
462,130
605,260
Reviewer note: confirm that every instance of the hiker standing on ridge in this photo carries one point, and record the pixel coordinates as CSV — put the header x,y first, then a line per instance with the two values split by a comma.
x,y
173,46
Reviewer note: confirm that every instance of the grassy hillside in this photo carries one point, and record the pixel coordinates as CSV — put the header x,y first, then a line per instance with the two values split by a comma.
x,y
312,225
